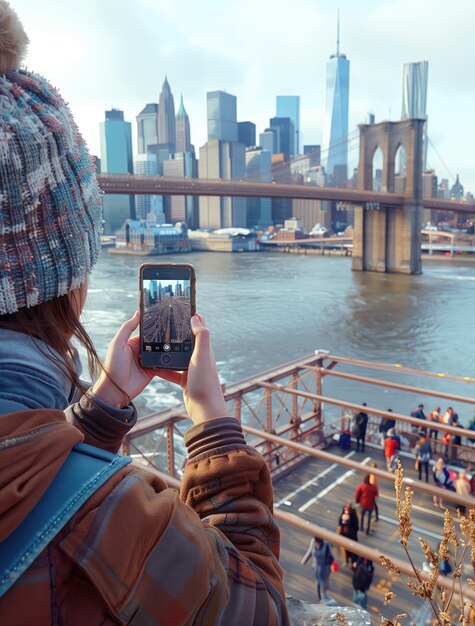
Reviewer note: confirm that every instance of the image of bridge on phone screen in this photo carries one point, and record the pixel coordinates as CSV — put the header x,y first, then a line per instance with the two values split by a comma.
x,y
166,313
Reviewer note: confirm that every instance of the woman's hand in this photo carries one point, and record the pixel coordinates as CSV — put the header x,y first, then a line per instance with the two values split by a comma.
x,y
202,393
123,367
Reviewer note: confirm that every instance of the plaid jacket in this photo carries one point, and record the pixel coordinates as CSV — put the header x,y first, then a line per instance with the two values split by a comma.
x,y
139,552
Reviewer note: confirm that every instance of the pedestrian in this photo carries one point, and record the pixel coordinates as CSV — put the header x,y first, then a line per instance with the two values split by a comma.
x,y
322,559
462,487
471,427
419,414
365,496
374,480
362,578
423,452
135,550
447,416
434,416
348,525
359,429
385,424
392,444
442,479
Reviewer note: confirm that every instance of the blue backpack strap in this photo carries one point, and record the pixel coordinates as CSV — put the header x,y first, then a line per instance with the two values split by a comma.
x,y
85,470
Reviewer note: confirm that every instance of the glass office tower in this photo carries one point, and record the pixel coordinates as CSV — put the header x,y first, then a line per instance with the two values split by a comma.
x,y
414,101
222,116
335,122
116,158
289,106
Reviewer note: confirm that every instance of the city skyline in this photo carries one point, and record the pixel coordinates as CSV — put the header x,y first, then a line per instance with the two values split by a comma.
x,y
198,55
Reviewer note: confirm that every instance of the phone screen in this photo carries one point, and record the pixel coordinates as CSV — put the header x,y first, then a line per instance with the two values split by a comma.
x,y
167,304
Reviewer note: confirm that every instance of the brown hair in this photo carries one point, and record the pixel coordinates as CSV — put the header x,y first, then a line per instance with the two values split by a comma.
x,y
55,323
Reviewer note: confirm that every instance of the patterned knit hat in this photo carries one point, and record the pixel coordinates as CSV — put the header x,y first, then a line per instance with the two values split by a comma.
x,y
50,203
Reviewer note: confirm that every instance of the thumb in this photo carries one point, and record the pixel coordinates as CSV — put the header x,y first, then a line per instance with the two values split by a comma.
x,y
127,328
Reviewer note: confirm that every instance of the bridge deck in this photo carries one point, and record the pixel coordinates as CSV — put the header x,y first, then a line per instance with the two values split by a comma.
x,y
317,492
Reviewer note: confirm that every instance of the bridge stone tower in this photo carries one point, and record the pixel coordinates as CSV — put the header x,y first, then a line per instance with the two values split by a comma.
x,y
388,239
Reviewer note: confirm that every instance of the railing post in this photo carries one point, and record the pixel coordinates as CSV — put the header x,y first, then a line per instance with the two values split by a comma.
x,y
237,407
170,450
295,418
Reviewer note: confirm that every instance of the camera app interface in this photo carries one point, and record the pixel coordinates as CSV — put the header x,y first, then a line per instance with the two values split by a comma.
x,y
166,323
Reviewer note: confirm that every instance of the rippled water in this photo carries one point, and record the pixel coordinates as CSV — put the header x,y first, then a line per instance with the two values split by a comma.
x,y
267,308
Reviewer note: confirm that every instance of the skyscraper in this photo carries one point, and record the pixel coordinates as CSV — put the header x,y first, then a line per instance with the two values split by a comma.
x,y
146,165
285,134
183,136
269,140
247,134
222,116
166,119
182,208
221,159
258,169
147,127
289,106
116,158
414,100
335,122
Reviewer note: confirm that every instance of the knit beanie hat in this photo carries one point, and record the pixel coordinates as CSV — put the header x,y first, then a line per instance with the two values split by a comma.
x,y
50,202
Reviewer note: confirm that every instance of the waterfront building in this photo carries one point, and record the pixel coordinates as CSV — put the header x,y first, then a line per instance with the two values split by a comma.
x,y
147,127
182,208
289,106
222,160
268,140
247,134
222,116
311,212
335,121
414,101
183,134
146,165
285,130
258,169
116,158
148,238
166,119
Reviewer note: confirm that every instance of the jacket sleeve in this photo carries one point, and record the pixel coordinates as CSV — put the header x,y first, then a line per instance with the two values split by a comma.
x,y
208,555
358,494
102,425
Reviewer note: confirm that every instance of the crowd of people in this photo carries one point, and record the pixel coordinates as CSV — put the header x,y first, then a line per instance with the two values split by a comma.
x,y
353,520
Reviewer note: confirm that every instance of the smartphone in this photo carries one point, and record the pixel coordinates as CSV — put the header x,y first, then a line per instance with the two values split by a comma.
x,y
167,303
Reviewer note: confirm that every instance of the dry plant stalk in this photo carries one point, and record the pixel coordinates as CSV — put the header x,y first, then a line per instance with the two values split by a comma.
x,y
441,602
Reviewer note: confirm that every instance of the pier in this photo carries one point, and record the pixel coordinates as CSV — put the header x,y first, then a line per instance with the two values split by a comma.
x,y
287,414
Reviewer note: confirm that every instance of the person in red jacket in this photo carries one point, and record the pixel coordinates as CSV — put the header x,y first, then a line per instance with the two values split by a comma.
x,y
365,496
392,444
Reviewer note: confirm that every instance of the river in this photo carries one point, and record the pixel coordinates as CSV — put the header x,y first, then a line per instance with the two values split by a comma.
x,y
264,309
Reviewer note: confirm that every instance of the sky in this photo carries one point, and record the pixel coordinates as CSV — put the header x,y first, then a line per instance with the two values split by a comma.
x,y
112,53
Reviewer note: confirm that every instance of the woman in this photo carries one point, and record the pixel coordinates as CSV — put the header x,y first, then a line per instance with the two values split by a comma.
x,y
423,452
348,525
392,444
462,488
121,556
442,479
322,559
374,480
